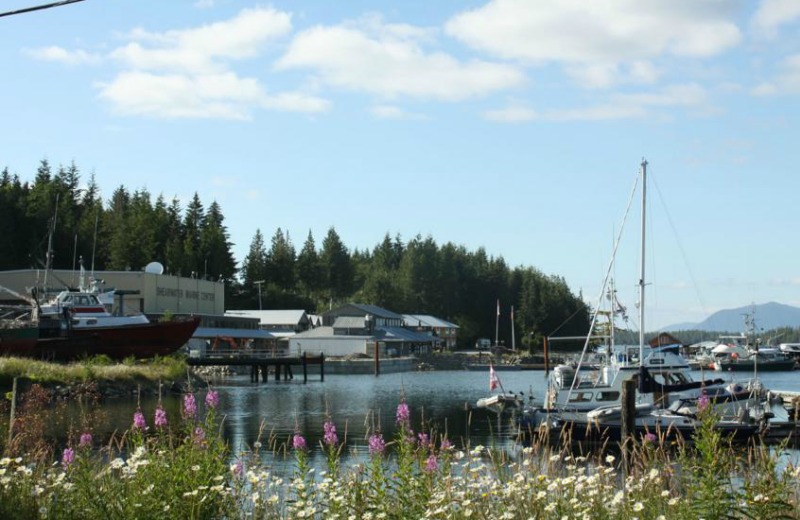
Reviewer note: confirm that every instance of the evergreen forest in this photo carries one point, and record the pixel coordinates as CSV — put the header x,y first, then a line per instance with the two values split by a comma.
x,y
416,275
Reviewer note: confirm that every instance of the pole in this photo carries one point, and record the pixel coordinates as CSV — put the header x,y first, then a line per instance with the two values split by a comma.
x,y
546,358
258,284
322,367
305,369
377,360
513,339
74,257
49,260
497,324
13,412
642,274
94,242
628,410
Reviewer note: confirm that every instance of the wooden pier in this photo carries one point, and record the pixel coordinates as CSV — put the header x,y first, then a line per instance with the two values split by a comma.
x,y
260,362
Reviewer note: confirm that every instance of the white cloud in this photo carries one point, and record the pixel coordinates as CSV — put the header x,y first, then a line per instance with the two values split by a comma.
x,y
390,61
61,55
515,113
764,89
787,81
186,73
393,112
220,96
621,106
207,48
673,95
604,75
593,38
771,14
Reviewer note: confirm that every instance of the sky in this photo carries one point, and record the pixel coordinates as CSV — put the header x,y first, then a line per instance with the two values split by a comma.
x,y
516,125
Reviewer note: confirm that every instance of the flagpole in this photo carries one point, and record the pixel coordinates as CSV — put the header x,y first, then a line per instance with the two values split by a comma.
x,y
497,325
513,339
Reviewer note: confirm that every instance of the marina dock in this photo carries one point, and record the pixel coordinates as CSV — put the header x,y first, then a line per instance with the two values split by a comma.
x,y
260,362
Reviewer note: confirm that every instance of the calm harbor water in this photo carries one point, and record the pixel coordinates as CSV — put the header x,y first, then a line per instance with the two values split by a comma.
x,y
359,404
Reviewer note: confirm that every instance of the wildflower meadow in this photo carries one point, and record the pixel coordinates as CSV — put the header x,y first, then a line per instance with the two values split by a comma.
x,y
180,467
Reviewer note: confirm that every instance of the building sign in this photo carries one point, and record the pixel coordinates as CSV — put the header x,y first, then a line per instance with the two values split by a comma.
x,y
180,293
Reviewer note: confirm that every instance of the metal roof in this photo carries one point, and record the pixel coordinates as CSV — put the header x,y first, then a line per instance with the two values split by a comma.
x,y
349,322
274,317
369,309
401,334
211,333
426,320
327,333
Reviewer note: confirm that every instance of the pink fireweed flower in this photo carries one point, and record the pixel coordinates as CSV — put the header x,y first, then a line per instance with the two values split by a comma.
x,y
67,458
650,437
330,438
189,406
85,440
161,418
431,465
423,439
403,415
237,469
446,444
298,442
199,435
212,399
376,444
703,403
139,422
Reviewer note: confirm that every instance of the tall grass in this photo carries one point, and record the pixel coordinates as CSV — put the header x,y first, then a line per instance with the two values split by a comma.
x,y
183,469
166,369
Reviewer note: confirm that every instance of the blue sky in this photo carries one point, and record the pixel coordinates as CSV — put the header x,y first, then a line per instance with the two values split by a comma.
x,y
518,125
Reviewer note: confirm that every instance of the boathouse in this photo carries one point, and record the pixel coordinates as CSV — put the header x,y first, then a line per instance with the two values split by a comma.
x,y
359,329
433,326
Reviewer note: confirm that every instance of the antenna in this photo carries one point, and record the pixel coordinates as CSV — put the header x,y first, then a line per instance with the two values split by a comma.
x,y
94,243
259,283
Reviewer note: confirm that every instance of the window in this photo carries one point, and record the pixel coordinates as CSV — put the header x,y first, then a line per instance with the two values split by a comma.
x,y
582,397
608,396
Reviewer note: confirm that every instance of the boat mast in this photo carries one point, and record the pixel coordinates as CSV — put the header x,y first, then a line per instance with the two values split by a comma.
x,y
49,260
513,343
497,325
642,273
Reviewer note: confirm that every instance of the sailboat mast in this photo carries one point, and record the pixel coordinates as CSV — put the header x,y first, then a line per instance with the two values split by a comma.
x,y
497,325
642,267
49,260
513,343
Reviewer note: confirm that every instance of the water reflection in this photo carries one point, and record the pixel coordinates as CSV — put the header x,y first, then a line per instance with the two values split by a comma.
x,y
358,404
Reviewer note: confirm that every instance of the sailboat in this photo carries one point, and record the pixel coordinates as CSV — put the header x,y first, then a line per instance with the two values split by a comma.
x,y
589,403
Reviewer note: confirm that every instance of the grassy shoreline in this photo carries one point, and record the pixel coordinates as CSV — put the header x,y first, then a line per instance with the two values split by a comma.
x,y
98,369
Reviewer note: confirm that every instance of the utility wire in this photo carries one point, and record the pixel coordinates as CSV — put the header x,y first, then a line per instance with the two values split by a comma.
x,y
39,7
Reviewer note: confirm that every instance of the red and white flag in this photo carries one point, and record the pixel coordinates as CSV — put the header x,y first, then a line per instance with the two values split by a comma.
x,y
493,381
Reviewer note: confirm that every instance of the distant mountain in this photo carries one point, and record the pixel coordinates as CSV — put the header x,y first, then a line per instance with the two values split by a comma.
x,y
768,316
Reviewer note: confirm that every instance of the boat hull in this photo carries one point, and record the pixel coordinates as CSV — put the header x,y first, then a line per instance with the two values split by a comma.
x,y
139,341
18,341
743,366
497,368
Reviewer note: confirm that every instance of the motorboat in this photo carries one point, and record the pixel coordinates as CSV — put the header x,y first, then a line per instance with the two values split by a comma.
x,y
790,349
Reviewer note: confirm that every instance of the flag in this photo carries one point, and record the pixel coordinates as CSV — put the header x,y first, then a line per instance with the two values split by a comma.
x,y
493,381
498,307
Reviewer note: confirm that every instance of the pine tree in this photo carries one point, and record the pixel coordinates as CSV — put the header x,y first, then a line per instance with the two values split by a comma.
x,y
192,226
281,259
173,250
309,270
215,246
254,266
336,267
